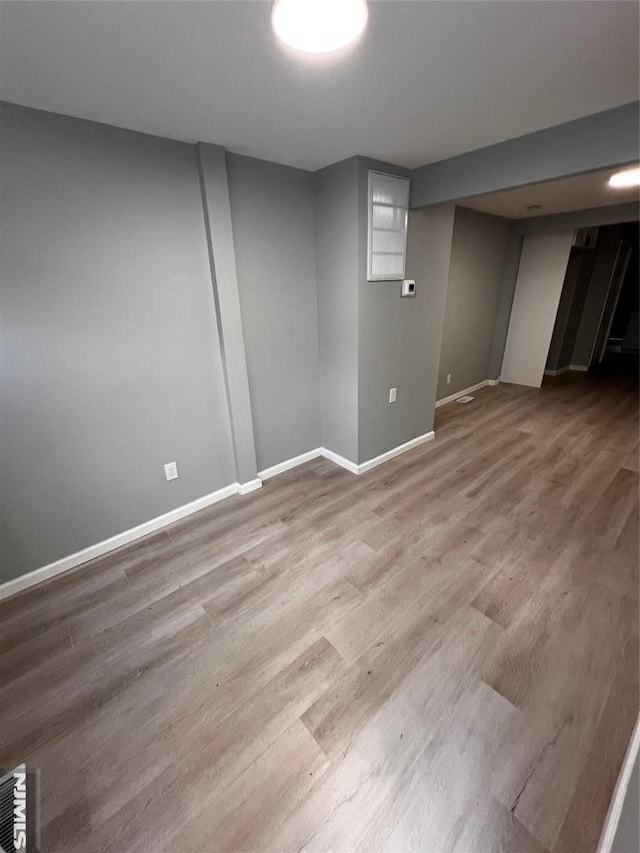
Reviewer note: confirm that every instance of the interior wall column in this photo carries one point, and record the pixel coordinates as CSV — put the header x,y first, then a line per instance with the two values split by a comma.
x,y
217,215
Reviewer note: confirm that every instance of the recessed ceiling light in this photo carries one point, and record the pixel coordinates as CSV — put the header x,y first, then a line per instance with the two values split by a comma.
x,y
628,178
319,26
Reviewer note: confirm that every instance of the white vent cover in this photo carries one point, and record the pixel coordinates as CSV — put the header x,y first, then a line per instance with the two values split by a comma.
x,y
387,232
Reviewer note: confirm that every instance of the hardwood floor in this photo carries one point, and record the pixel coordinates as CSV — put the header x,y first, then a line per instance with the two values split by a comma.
x,y
439,655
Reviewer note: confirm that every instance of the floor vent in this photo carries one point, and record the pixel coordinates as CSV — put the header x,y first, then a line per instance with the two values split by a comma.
x,y
465,399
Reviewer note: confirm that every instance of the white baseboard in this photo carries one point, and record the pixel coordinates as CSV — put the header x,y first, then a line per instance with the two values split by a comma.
x,y
579,368
464,391
377,460
557,372
397,451
620,791
281,467
249,486
72,561
340,460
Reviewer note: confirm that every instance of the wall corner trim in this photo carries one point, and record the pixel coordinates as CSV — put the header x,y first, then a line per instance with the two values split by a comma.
x,y
377,460
288,464
249,486
216,208
396,451
476,387
340,460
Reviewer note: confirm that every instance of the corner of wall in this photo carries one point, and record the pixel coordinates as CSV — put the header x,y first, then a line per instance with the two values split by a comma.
x,y
212,171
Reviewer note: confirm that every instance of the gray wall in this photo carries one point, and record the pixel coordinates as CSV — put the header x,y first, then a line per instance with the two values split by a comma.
x,y
111,362
404,338
165,302
272,210
216,209
505,301
595,142
390,347
428,261
337,275
478,255
370,338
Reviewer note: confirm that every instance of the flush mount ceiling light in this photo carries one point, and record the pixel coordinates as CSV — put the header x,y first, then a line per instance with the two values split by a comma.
x,y
319,26
628,178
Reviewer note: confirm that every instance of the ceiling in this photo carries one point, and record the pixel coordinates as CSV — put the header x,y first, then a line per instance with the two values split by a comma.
x,y
579,192
427,81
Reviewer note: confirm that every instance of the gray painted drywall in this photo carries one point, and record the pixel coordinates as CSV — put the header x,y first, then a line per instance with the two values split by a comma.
x,y
627,837
224,284
391,347
505,302
336,193
478,255
595,142
370,338
428,260
606,250
272,210
111,362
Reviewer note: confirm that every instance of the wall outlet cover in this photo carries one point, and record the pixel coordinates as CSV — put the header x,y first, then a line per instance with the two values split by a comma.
x,y
171,471
393,393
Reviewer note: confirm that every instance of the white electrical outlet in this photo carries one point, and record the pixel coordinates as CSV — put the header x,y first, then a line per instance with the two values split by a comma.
x,y
392,394
171,471
448,379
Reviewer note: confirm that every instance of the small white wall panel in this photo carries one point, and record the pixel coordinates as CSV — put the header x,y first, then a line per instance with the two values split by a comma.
x,y
543,265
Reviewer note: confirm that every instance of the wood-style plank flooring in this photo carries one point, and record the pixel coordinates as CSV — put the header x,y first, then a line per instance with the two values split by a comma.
x,y
440,655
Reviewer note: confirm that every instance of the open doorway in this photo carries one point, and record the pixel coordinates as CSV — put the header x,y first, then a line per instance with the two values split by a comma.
x,y
621,350
573,240
595,323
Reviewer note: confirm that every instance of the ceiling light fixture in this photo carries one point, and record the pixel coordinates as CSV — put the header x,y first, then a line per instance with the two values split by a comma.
x,y
319,26
628,178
